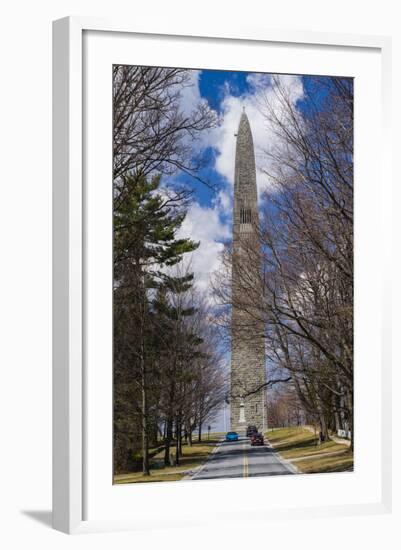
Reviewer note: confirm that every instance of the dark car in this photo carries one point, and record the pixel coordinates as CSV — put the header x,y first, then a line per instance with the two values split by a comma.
x,y
251,430
257,439
231,436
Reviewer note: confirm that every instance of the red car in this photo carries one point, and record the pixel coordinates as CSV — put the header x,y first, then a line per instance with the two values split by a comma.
x,y
257,439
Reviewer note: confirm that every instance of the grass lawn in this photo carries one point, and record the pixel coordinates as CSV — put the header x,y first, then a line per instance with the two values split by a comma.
x,y
191,458
343,462
298,443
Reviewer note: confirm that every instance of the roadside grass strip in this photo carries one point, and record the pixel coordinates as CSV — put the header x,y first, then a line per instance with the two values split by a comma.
x,y
194,472
299,446
337,463
245,463
192,458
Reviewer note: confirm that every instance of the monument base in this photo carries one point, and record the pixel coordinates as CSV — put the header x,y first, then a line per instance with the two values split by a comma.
x,y
241,429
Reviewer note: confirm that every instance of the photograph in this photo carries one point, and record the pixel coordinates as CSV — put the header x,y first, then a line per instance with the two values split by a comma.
x,y
200,313
233,276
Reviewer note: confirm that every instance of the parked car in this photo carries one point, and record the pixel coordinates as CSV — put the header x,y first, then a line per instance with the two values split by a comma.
x,y
251,430
231,436
257,439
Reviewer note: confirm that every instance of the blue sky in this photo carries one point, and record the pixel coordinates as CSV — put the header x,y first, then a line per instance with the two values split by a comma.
x,y
209,217
215,87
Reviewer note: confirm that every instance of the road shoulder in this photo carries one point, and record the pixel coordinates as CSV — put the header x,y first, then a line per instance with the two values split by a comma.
x,y
192,474
297,447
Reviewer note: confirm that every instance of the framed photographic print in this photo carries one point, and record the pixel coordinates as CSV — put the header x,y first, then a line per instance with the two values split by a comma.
x,y
219,317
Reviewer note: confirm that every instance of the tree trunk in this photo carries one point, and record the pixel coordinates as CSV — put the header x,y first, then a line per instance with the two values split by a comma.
x,y
167,444
144,393
169,428
337,423
323,426
145,427
180,439
177,444
351,419
200,432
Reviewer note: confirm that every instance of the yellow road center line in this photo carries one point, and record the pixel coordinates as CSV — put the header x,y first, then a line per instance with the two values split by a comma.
x,y
245,464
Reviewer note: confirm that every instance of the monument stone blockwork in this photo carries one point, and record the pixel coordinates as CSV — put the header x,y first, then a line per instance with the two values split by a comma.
x,y
247,405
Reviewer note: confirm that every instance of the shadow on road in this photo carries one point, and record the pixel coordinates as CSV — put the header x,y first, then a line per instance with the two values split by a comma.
x,y
234,460
231,452
298,444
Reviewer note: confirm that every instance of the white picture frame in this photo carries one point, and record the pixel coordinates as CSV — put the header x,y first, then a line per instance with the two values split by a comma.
x,y
69,257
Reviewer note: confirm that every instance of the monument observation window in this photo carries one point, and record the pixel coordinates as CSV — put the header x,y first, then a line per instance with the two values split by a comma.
x,y
245,215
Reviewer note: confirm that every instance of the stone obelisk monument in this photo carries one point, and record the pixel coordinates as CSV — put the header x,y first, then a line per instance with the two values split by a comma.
x,y
247,342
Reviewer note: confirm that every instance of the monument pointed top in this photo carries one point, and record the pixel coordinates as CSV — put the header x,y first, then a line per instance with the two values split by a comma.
x,y
244,128
243,114
245,173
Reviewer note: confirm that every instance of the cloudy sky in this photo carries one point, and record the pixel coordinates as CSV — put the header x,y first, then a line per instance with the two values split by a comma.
x,y
209,217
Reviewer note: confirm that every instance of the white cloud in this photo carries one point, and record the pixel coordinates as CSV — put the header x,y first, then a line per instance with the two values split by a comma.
x,y
259,80
224,202
190,99
190,93
223,138
204,225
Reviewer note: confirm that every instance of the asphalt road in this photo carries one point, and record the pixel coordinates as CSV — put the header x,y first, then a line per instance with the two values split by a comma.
x,y
239,459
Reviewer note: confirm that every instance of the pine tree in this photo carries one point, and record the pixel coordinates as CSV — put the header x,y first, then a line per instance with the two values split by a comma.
x,y
179,343
145,243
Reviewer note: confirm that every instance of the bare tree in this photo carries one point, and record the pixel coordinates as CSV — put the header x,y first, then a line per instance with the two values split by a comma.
x,y
305,247
151,130
154,136
193,377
